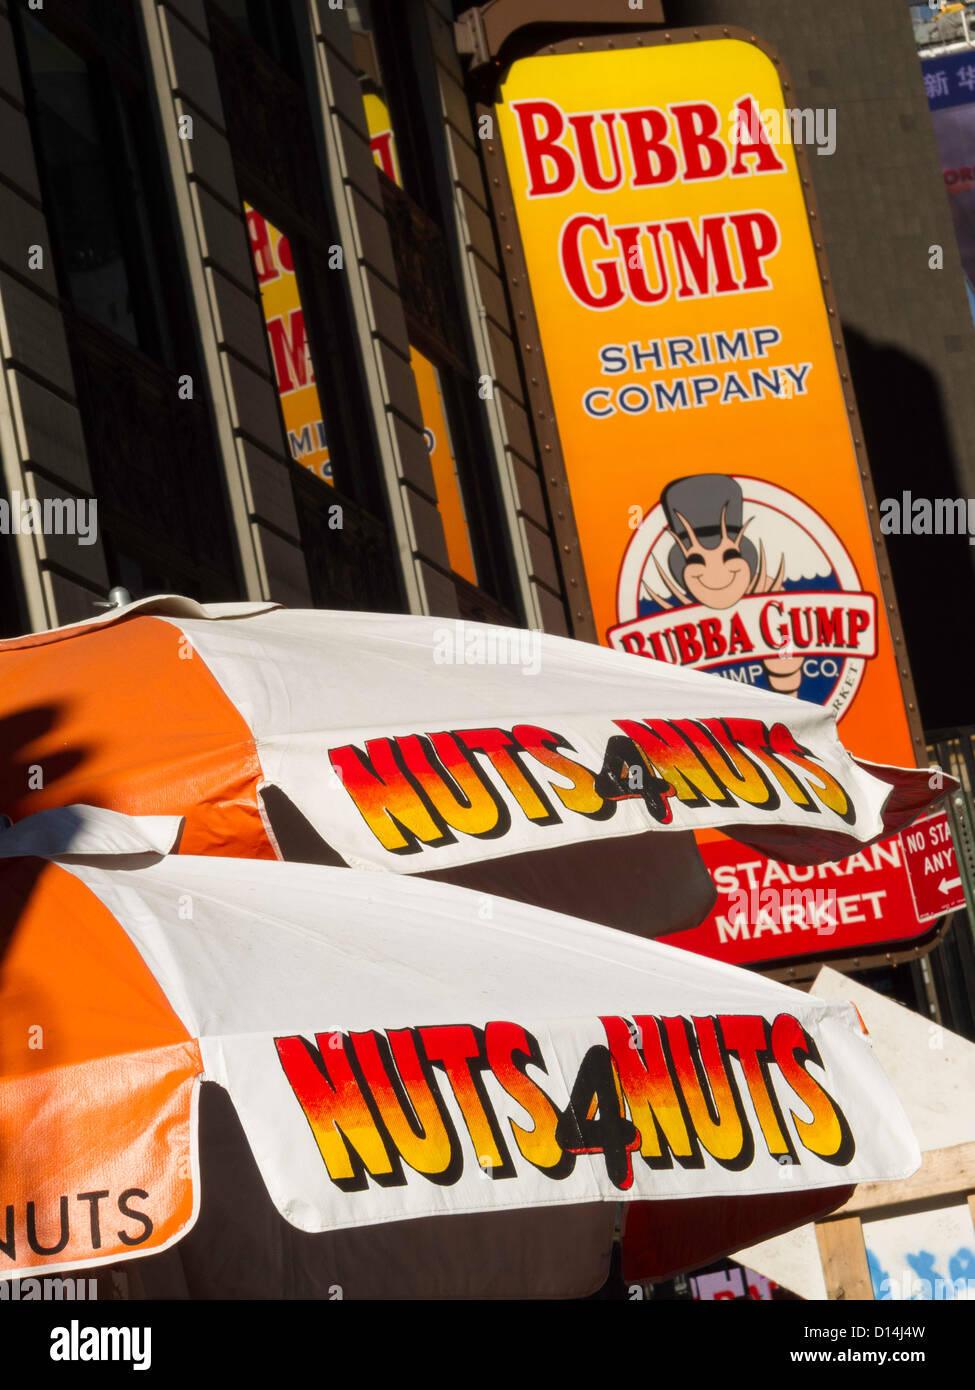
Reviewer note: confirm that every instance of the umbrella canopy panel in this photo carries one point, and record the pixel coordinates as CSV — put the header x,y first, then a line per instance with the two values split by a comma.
x,y
393,1051
419,746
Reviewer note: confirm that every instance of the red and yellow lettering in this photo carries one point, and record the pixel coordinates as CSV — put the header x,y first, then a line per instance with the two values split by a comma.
x,y
654,162
753,735
729,763
541,148
335,1108
677,762
502,1041
825,787
583,128
466,803
381,145
747,1035
289,349
724,1134
827,1134
261,249
581,796
758,238
433,1151
649,1091
456,1046
608,291
705,156
386,798
635,263
501,749
761,148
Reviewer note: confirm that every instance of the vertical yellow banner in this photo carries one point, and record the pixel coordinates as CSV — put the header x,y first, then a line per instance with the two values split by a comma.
x,y
284,319
713,474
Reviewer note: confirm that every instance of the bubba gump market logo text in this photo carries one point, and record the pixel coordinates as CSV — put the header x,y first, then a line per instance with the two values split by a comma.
x,y
420,791
659,1090
742,578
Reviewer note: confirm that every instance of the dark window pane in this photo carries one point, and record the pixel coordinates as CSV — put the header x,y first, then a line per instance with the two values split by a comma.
x,y
269,24
100,168
80,182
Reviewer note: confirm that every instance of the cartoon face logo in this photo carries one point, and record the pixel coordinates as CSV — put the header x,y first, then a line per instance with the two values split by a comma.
x,y
742,578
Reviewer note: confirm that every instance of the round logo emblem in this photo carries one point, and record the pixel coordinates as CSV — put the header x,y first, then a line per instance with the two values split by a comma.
x,y
739,577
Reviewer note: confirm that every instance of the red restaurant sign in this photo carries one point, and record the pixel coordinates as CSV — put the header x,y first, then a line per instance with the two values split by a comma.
x,y
881,897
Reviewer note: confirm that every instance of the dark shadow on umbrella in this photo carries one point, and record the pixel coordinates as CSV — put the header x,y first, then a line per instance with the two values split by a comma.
x,y
297,839
242,1248
19,731
647,884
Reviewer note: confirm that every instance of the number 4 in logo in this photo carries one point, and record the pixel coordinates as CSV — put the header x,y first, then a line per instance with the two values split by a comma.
x,y
594,1121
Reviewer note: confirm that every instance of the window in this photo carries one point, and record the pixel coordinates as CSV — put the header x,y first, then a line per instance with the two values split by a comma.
x,y
269,23
13,620
398,77
381,36
102,180
126,313
311,346
287,334
429,384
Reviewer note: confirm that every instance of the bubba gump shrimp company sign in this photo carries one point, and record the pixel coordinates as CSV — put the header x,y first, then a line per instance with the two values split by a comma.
x,y
691,395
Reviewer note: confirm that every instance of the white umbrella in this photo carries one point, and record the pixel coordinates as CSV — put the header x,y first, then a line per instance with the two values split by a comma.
x,y
503,760
428,1079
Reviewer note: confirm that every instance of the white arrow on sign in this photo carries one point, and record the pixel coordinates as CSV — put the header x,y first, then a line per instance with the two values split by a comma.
x,y
947,884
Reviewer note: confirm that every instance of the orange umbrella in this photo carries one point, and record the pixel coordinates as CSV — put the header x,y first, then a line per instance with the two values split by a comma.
x,y
409,1089
501,760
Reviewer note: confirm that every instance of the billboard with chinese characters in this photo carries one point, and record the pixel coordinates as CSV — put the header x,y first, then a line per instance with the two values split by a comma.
x,y
693,366
949,82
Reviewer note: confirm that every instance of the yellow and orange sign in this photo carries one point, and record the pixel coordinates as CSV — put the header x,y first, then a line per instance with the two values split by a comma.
x,y
707,442
690,355
284,317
